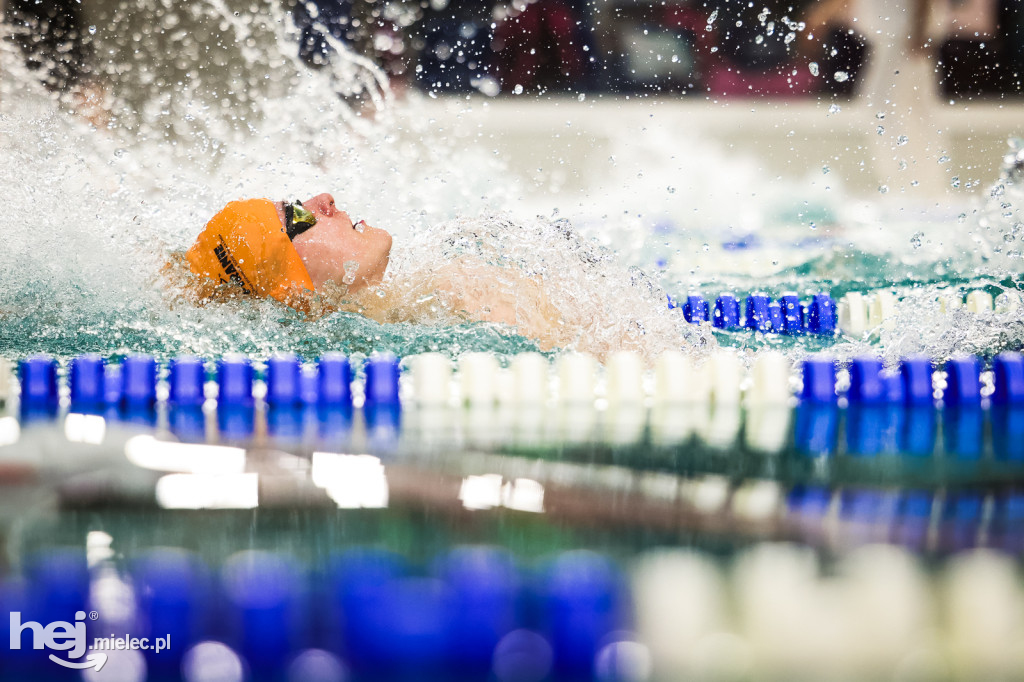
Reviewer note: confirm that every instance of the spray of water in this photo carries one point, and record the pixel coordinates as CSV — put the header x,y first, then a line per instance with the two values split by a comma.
x,y
208,102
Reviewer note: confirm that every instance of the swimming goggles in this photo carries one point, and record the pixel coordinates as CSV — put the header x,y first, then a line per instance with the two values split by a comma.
x,y
297,219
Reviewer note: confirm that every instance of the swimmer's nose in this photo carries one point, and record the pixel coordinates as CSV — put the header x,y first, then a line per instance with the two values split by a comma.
x,y
323,203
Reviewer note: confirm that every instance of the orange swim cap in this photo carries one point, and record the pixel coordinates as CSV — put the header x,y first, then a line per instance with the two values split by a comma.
x,y
247,244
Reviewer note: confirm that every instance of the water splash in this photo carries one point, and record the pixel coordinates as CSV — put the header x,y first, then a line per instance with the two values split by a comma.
x,y
599,307
93,215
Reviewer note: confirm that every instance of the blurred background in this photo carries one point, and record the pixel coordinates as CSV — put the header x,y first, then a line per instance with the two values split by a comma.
x,y
708,48
946,73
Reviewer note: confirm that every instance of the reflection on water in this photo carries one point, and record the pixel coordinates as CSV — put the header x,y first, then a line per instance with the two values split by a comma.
x,y
313,521
252,597
377,456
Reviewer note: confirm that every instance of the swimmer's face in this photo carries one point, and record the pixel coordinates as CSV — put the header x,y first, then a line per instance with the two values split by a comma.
x,y
336,250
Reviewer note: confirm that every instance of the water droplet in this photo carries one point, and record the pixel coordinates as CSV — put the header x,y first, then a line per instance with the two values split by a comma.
x,y
902,140
706,247
814,225
955,182
351,270
825,170
882,189
834,109
671,189
581,97
487,85
880,130
92,30
841,76
518,90
915,239
943,159
880,115
813,68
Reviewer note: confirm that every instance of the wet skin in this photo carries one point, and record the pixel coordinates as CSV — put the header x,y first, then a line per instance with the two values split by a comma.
x,y
335,242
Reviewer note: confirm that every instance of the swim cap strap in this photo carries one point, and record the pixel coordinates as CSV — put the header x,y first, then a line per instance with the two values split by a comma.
x,y
297,219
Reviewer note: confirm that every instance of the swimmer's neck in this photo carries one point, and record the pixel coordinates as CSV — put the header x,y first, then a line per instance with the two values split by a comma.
x,y
376,302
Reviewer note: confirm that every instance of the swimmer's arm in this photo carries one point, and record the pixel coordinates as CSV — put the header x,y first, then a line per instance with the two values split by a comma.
x,y
488,293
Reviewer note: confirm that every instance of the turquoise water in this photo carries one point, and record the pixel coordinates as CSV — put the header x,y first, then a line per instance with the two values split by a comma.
x,y
126,330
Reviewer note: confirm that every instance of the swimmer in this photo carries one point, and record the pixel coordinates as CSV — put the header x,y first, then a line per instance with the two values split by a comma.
x,y
312,256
